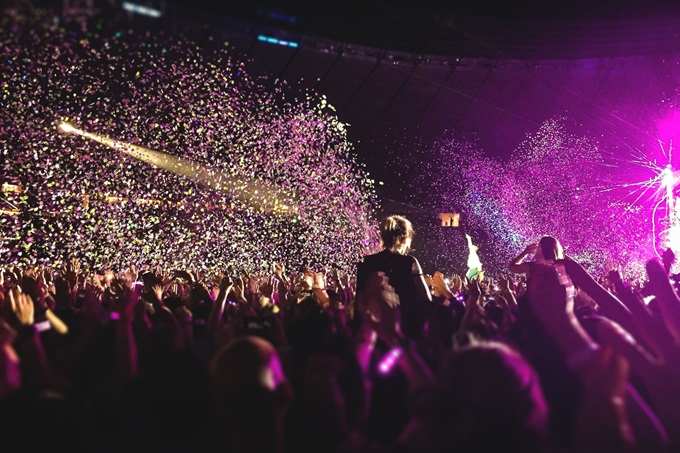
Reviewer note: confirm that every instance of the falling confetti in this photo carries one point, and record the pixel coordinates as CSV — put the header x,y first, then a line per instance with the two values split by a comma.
x,y
555,183
160,92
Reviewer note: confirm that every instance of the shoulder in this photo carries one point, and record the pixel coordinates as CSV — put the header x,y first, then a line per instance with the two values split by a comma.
x,y
415,265
379,255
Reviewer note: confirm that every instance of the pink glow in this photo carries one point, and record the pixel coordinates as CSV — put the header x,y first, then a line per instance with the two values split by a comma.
x,y
389,361
668,127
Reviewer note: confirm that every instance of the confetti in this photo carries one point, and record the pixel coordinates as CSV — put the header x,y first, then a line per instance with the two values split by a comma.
x,y
555,183
163,93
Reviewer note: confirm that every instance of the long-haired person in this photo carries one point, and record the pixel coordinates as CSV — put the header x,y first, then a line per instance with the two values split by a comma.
x,y
403,271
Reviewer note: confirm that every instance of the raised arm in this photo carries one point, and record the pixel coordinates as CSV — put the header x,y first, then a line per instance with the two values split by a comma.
x,y
126,363
609,305
657,367
217,310
35,366
517,265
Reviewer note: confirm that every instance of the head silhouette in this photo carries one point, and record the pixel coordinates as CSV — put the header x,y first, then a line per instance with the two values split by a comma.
x,y
488,398
396,233
550,248
248,381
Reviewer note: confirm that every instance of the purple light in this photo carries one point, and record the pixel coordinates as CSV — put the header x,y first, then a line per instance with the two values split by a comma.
x,y
667,177
668,224
390,359
668,127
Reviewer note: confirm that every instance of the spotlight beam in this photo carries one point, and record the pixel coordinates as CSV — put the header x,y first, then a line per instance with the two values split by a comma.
x,y
265,196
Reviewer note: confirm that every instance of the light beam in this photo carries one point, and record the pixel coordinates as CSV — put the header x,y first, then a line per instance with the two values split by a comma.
x,y
265,196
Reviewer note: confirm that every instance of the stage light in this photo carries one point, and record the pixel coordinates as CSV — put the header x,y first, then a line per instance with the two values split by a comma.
x,y
12,188
66,128
142,9
258,194
280,42
668,178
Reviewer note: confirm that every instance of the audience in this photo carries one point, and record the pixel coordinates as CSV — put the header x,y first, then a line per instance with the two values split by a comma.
x,y
546,358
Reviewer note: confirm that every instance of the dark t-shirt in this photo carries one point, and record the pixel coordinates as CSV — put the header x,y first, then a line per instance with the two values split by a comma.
x,y
400,270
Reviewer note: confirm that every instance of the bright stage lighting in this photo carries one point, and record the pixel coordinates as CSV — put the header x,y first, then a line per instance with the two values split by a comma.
x,y
142,9
66,128
257,194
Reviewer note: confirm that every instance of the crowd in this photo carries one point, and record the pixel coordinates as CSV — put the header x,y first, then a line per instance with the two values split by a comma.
x,y
384,359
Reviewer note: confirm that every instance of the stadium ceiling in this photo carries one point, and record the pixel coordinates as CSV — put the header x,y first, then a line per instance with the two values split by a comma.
x,y
402,74
478,28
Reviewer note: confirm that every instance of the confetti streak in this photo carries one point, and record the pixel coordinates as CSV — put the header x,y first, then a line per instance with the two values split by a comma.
x,y
265,197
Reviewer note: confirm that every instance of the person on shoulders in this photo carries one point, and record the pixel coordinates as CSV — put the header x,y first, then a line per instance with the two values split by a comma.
x,y
403,271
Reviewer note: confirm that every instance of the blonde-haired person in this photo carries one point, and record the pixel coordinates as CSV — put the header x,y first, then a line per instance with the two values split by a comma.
x,y
403,271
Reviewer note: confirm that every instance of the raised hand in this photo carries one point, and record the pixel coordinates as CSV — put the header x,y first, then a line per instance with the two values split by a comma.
x,y
268,288
550,299
382,316
441,288
92,308
344,279
608,303
657,364
319,288
157,291
668,259
71,272
504,284
603,423
125,299
22,306
226,284
308,279
474,291
46,304
457,285
31,285
34,358
517,265
508,294
108,278
253,285
186,275
10,372
282,291
473,305
531,248
239,290
280,271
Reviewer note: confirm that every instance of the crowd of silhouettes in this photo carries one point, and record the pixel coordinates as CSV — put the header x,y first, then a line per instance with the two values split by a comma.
x,y
380,359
